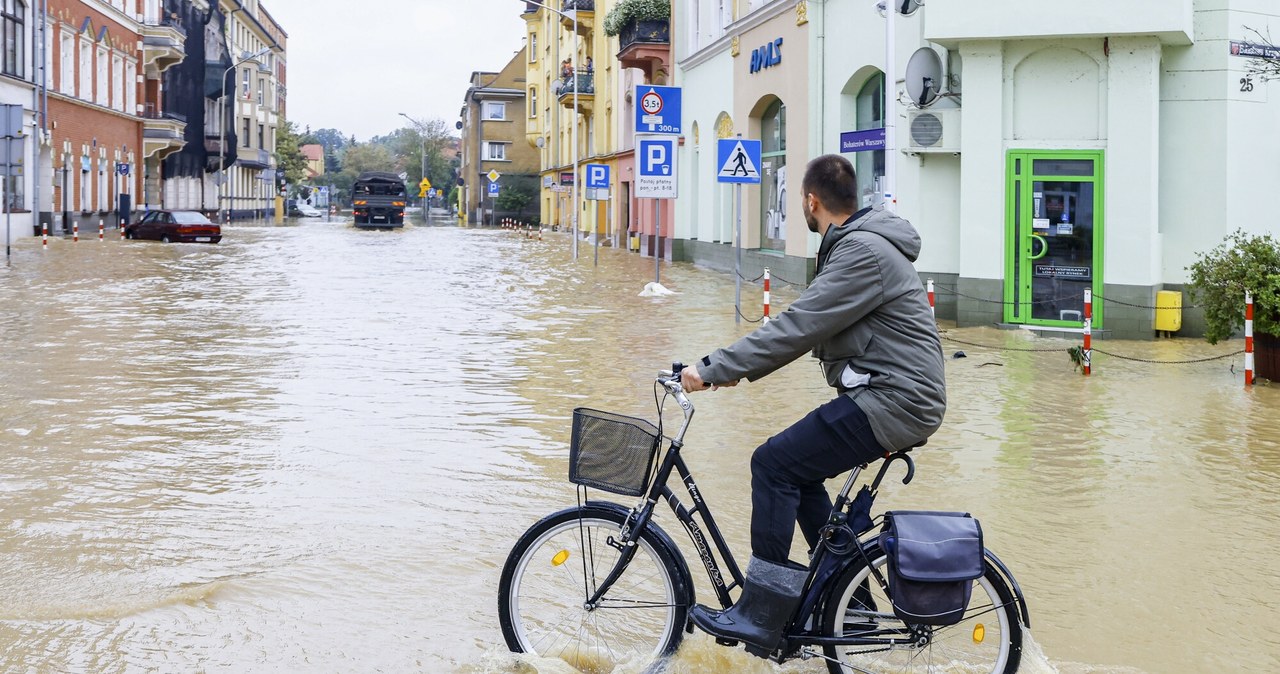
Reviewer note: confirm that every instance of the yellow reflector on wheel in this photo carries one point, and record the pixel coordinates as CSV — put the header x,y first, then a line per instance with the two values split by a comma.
x,y
560,558
979,633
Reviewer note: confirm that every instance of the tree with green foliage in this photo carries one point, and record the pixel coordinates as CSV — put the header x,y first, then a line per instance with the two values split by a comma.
x,y
289,159
515,198
1220,278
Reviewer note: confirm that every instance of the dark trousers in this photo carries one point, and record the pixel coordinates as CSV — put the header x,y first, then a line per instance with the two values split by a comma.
x,y
788,470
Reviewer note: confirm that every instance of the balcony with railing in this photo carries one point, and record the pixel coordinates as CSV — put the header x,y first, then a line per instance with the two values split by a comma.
x,y
163,133
578,15
253,158
163,44
582,83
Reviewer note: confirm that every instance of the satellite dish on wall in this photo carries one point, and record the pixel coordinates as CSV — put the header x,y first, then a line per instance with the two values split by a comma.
x,y
541,142
924,77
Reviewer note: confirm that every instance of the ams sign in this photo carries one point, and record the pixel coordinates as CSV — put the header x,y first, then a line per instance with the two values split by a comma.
x,y
767,56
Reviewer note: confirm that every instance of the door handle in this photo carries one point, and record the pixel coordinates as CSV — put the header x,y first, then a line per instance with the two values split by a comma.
x,y
1044,246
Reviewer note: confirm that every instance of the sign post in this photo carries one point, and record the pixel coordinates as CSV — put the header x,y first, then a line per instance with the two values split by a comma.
x,y
738,160
493,202
656,180
598,190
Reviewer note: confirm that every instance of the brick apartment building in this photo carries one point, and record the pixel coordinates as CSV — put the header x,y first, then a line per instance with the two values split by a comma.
x,y
109,115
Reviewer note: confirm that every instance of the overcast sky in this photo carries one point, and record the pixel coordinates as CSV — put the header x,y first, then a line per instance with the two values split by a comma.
x,y
353,65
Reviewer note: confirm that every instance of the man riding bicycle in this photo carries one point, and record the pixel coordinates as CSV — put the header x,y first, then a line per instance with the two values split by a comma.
x,y
866,318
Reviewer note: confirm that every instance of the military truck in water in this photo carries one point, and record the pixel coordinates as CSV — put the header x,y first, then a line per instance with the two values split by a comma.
x,y
378,200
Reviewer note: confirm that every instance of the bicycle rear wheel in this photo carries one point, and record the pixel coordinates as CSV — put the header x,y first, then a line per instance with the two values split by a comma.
x,y
987,641
560,561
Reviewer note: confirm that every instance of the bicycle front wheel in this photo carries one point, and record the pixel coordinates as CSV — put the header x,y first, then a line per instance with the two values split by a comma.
x,y
560,562
987,641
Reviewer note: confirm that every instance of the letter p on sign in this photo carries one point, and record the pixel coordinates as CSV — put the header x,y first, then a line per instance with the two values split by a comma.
x,y
655,161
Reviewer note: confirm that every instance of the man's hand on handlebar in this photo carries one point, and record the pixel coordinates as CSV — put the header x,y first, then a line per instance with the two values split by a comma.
x,y
692,381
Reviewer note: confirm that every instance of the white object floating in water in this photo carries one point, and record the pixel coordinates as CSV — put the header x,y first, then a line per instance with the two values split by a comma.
x,y
654,289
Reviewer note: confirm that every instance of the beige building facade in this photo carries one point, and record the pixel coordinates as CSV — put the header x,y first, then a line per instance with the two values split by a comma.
x,y
493,127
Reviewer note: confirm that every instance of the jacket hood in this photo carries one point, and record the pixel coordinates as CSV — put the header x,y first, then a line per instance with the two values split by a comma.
x,y
899,232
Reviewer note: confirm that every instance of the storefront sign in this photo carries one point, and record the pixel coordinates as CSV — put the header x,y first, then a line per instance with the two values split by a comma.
x,y
767,56
566,178
862,141
1053,271
1251,50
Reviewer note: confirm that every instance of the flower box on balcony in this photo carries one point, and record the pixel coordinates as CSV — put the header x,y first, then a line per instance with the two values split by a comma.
x,y
650,31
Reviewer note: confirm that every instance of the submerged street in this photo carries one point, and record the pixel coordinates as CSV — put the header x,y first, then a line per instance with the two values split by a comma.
x,y
310,448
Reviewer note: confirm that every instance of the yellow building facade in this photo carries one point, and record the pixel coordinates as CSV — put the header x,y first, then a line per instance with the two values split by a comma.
x,y
562,34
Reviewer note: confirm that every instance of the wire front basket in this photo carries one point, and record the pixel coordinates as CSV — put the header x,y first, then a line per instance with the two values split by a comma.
x,y
612,452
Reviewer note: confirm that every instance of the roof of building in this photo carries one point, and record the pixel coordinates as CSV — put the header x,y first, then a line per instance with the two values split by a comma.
x,y
312,152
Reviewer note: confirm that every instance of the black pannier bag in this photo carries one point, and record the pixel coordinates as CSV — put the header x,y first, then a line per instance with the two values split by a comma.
x,y
934,557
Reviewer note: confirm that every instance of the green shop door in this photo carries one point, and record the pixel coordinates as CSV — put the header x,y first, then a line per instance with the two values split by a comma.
x,y
1054,237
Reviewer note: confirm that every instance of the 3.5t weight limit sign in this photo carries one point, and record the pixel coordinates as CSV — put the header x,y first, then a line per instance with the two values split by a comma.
x,y
657,109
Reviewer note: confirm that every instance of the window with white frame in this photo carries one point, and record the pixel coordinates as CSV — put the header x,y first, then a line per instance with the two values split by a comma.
x,y
533,102
262,92
695,22
130,87
495,151
117,82
67,61
86,70
533,47
494,110
247,83
102,93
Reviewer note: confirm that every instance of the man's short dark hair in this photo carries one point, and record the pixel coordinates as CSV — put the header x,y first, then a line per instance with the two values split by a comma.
x,y
831,178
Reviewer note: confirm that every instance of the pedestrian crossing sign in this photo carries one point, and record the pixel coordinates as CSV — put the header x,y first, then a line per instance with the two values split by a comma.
x,y
739,161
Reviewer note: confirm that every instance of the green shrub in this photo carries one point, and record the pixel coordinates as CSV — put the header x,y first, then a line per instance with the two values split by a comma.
x,y
1220,278
628,11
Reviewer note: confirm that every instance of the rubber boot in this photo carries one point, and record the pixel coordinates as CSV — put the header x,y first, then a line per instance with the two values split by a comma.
x,y
770,594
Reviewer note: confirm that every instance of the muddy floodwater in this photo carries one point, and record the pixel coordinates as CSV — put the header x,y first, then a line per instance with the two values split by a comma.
x,y
310,448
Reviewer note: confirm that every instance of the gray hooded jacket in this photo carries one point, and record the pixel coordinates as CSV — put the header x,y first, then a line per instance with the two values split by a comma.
x,y
867,320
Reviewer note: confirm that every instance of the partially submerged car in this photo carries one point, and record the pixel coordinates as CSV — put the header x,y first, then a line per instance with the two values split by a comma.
x,y
174,226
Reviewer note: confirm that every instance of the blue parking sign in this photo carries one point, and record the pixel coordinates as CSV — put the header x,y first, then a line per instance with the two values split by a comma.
x,y
598,176
656,156
493,189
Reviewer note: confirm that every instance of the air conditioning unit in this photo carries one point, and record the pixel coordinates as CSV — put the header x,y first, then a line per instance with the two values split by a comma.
x,y
933,130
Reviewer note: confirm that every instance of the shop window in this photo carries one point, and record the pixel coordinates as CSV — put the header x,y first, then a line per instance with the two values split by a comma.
x,y
14,199
870,165
773,187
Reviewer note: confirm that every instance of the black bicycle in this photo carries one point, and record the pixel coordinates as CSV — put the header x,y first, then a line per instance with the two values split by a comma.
x,y
601,584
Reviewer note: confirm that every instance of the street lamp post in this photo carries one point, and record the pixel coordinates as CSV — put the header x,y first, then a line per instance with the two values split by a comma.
x,y
222,127
422,137
573,65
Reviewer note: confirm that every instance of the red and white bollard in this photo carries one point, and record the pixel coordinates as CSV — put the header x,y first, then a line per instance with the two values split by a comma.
x,y
1088,332
102,231
44,235
75,231
1248,338
766,294
933,311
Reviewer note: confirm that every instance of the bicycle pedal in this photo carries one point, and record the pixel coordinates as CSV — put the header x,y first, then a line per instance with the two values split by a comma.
x,y
726,642
759,652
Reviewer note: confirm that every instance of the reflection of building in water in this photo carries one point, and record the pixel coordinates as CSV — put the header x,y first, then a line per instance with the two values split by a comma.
x,y
1103,145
